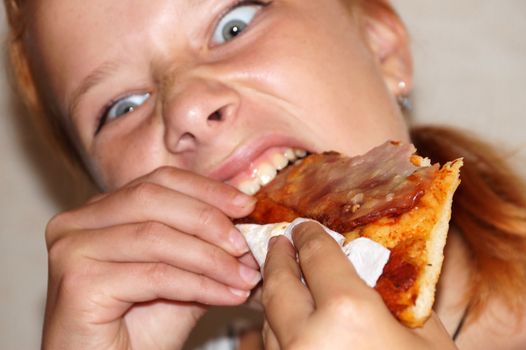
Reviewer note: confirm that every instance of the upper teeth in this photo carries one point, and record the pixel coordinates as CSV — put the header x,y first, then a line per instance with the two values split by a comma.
x,y
267,171
300,153
289,154
279,161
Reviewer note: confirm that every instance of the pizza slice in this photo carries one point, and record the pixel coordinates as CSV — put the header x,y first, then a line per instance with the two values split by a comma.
x,y
389,195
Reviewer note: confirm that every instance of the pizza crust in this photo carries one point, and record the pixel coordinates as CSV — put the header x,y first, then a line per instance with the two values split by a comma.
x,y
420,236
443,191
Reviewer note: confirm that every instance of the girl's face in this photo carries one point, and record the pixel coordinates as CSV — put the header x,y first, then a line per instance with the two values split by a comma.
x,y
218,87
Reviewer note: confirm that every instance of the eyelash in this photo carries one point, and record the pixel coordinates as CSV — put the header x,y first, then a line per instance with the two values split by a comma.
x,y
101,119
240,3
102,116
100,122
104,113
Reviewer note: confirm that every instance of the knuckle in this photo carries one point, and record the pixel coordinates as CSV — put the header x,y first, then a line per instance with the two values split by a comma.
x,y
158,273
311,249
55,227
62,251
75,277
143,191
164,173
65,260
347,308
209,215
150,233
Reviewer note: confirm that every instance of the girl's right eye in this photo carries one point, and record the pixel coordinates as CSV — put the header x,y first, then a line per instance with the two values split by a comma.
x,y
121,107
236,20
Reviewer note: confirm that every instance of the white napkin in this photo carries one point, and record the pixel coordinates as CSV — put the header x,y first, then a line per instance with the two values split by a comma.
x,y
368,257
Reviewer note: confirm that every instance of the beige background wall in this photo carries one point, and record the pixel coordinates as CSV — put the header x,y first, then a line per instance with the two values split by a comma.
x,y
471,72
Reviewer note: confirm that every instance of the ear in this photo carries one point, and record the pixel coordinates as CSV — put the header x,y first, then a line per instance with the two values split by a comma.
x,y
388,40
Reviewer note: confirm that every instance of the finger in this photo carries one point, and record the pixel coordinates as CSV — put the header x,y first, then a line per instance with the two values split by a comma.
x,y
269,338
326,269
230,200
120,286
148,202
233,202
254,301
96,197
155,242
286,300
249,260
434,331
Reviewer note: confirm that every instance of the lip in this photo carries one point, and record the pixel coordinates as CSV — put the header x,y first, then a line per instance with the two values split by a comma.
x,y
245,155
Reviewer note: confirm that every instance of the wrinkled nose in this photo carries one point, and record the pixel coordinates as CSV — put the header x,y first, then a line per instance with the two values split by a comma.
x,y
196,112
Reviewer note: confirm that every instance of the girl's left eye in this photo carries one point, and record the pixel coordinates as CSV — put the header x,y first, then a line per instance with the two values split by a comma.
x,y
235,21
121,107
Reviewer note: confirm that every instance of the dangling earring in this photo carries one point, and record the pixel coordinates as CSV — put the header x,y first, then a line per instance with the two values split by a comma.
x,y
404,101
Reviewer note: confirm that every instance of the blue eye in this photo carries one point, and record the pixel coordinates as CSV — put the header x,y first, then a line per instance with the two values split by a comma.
x,y
235,21
121,107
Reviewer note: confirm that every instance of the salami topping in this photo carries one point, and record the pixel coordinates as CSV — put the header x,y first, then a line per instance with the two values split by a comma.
x,y
343,193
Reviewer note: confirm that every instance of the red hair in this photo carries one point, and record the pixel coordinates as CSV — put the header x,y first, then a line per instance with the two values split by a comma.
x,y
489,208
46,120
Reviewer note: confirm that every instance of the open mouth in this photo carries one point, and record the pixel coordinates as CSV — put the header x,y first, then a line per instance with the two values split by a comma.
x,y
266,168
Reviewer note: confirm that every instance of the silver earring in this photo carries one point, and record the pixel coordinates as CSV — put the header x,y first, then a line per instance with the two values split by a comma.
x,y
404,101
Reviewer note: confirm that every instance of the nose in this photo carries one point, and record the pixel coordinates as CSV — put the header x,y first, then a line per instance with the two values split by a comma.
x,y
196,111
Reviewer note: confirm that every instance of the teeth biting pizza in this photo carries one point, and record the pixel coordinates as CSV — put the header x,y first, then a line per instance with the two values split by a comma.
x,y
388,195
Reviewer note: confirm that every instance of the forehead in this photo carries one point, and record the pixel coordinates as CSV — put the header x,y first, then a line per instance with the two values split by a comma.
x,y
68,38
72,37
62,23
58,19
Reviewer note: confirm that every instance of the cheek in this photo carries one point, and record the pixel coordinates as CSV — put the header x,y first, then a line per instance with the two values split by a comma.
x,y
344,105
117,161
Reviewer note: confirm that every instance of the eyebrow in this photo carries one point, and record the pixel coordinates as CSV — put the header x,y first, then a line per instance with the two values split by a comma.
x,y
97,76
100,74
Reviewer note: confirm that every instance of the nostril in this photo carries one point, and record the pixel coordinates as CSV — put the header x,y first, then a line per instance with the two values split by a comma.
x,y
186,143
187,137
217,116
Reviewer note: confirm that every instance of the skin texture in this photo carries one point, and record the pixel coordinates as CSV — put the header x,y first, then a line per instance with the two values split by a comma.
x,y
303,74
274,80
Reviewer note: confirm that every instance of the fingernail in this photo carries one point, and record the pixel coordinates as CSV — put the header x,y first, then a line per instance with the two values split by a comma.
x,y
251,276
243,201
238,241
239,292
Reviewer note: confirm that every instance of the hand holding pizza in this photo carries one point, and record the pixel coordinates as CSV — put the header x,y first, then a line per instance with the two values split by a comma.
x,y
133,268
337,310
